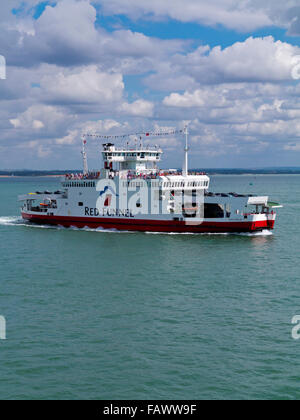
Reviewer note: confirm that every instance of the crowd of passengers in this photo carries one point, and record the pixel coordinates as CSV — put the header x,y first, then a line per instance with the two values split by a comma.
x,y
153,175
79,177
130,175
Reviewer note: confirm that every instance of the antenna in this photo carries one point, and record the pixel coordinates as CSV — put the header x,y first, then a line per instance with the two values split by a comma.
x,y
84,157
185,170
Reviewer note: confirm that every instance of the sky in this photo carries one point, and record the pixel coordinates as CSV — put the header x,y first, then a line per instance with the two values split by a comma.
x,y
228,68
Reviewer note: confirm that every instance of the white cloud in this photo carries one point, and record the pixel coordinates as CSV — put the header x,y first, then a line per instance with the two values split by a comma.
x,y
66,35
139,108
16,122
233,14
87,85
100,126
70,138
293,147
66,76
198,98
37,125
255,60
42,119
230,13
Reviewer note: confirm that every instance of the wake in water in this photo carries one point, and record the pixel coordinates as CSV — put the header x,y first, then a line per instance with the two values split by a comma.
x,y
247,234
18,221
262,233
11,221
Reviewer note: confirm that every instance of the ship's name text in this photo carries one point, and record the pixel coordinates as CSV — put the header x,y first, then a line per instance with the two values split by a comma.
x,y
108,212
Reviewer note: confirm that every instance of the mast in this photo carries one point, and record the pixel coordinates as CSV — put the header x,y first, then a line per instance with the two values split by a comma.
x,y
185,170
84,157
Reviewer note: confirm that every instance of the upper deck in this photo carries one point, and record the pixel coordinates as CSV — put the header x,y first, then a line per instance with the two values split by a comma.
x,y
137,158
132,154
135,163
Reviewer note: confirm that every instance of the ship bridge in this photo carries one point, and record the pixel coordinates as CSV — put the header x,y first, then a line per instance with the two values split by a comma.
x,y
131,159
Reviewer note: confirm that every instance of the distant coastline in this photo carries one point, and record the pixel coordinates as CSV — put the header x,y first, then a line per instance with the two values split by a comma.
x,y
209,171
29,173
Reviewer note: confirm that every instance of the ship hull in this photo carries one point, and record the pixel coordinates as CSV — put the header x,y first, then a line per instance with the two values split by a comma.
x,y
144,225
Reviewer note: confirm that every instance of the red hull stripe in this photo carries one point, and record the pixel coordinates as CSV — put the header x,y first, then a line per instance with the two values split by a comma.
x,y
149,225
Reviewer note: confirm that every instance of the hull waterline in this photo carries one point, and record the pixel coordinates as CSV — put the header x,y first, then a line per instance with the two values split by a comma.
x,y
140,225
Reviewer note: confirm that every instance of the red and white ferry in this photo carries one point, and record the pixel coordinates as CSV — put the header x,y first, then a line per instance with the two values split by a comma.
x,y
131,193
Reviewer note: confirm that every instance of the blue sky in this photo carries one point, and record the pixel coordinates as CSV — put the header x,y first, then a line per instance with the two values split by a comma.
x,y
229,68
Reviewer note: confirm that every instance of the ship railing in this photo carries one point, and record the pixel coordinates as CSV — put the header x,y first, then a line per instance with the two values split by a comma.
x,y
39,209
141,177
179,173
257,213
157,176
149,176
129,148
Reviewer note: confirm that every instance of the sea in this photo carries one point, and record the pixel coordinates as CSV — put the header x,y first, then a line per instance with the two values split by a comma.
x,y
105,315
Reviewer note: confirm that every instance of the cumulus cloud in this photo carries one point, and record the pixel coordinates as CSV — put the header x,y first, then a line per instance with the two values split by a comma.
x,y
236,104
230,13
139,108
35,115
70,138
294,147
100,126
88,89
66,35
233,14
255,60
85,85
41,121
199,98
66,76
57,37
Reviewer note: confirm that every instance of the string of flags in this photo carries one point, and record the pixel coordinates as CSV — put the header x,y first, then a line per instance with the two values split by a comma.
x,y
147,134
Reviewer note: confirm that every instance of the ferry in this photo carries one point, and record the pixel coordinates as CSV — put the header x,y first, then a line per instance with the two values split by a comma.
x,y
131,193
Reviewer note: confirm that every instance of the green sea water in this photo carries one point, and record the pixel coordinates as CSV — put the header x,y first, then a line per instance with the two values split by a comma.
x,y
108,315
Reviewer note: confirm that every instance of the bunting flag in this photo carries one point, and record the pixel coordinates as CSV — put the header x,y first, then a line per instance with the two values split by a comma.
x,y
147,134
